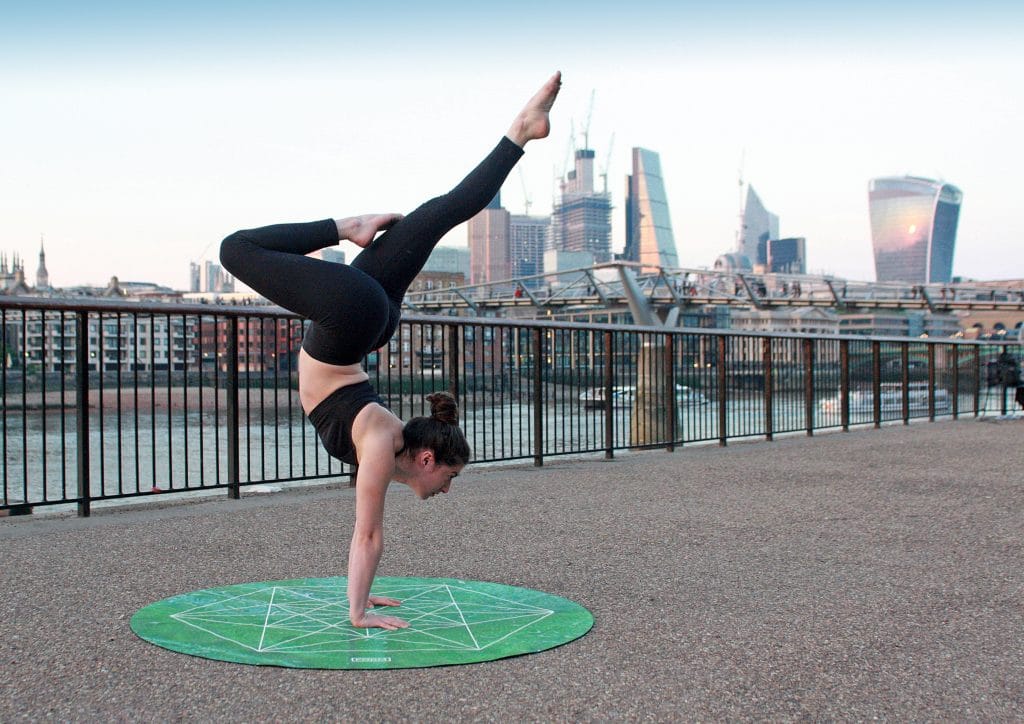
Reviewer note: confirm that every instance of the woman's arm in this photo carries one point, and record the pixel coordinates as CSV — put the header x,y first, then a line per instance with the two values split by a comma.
x,y
375,469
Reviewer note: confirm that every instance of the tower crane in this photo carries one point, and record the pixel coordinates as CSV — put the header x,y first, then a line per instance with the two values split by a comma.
x,y
607,162
586,124
527,201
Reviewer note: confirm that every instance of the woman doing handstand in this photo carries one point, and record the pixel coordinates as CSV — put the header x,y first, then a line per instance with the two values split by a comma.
x,y
354,309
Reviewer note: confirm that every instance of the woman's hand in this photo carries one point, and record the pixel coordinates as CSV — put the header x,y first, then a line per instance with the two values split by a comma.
x,y
360,230
389,623
386,622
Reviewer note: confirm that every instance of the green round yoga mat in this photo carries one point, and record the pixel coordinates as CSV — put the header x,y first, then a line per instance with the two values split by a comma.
x,y
303,623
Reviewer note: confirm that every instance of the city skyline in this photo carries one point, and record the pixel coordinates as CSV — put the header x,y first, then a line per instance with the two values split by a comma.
x,y
136,136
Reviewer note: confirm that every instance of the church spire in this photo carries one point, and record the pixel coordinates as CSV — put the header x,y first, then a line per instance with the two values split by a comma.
x,y
42,276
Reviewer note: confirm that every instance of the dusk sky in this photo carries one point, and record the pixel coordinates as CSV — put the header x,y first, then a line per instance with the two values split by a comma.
x,y
134,136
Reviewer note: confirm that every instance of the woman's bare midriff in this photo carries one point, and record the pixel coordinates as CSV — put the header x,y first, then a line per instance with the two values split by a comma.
x,y
318,379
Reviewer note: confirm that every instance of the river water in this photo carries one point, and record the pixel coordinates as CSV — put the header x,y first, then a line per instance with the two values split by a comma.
x,y
138,452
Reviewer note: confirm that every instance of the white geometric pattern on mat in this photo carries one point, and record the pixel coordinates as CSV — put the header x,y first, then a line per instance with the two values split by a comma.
x,y
300,619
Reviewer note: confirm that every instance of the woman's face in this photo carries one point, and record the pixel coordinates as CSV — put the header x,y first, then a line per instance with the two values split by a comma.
x,y
433,478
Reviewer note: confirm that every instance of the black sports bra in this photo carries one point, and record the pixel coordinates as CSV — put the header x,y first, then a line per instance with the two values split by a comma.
x,y
334,416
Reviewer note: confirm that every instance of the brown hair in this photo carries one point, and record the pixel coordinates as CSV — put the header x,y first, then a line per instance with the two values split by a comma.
x,y
439,433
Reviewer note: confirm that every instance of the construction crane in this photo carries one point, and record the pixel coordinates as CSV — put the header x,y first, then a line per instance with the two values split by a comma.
x,y
740,231
607,162
527,202
586,124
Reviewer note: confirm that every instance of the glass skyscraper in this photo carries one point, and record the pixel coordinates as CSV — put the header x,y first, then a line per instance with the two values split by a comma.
x,y
913,228
759,225
649,238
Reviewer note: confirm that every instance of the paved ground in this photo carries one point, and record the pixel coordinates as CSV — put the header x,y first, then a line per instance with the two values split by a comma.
x,y
878,573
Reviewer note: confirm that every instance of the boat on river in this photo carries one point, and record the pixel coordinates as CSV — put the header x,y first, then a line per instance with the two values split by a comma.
x,y
891,399
623,396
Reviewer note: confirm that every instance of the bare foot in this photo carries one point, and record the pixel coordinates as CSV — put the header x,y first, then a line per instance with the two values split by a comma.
x,y
360,230
533,122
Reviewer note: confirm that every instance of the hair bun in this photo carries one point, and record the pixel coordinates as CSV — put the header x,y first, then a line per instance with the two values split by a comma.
x,y
444,408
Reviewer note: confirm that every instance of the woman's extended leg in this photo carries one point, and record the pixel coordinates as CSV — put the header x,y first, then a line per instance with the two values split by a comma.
x,y
396,257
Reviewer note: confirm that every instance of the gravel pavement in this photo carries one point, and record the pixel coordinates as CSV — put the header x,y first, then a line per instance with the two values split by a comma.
x,y
849,576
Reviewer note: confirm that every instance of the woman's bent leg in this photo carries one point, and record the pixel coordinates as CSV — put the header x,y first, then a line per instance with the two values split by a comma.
x,y
348,308
271,260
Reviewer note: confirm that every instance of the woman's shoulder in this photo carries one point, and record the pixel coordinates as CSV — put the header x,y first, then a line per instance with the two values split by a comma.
x,y
377,426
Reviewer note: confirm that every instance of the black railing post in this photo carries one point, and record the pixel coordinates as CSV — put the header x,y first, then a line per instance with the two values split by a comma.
x,y
905,381
1004,388
609,379
453,360
231,390
809,386
82,410
723,432
931,382
538,398
977,380
956,381
844,384
673,399
769,383
876,383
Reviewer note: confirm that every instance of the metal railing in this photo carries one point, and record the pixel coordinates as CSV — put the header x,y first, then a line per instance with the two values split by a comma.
x,y
115,400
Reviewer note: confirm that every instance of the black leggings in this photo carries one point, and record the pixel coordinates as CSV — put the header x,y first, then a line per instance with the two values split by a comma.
x,y
354,309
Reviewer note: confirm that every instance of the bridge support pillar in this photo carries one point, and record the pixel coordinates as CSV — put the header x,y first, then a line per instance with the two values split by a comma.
x,y
653,403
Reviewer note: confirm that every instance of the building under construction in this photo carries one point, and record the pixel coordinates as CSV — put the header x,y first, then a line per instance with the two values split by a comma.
x,y
581,220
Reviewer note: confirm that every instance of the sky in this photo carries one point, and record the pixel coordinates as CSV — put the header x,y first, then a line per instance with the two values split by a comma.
x,y
135,136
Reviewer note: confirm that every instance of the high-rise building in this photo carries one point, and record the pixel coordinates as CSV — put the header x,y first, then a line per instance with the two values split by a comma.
x,y
913,228
582,217
649,238
758,226
528,238
488,234
209,277
787,256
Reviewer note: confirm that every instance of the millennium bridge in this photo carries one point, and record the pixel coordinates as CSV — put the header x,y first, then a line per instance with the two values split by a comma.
x,y
659,296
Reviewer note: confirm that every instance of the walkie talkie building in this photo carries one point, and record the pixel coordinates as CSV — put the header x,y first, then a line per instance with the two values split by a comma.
x,y
913,228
